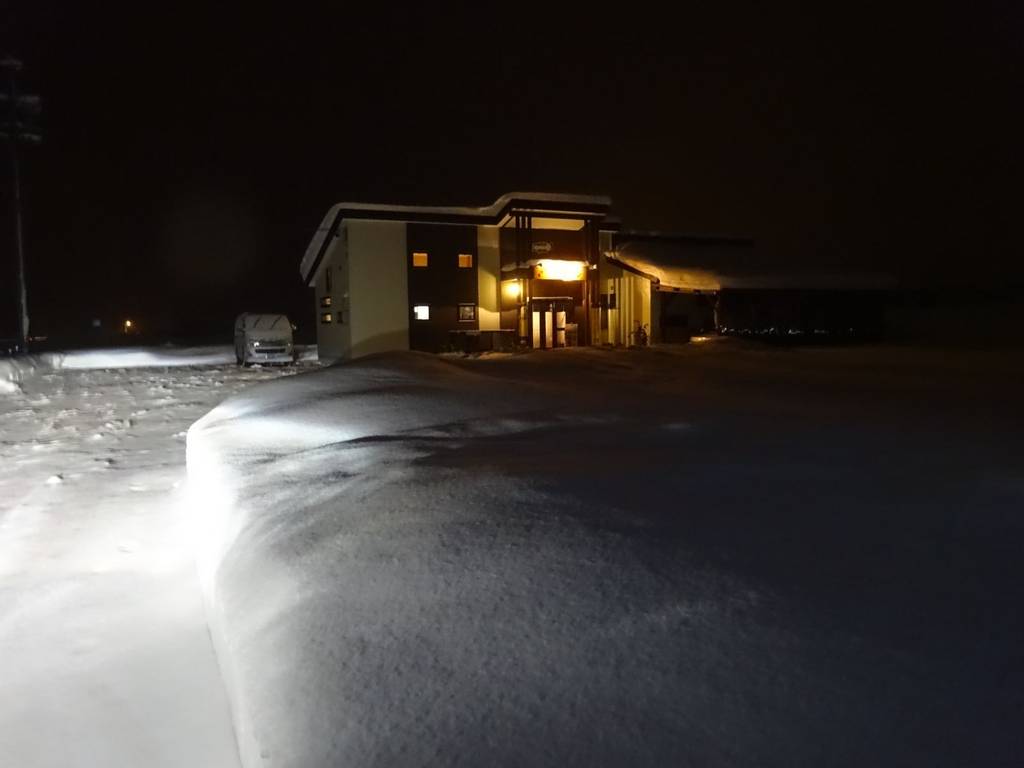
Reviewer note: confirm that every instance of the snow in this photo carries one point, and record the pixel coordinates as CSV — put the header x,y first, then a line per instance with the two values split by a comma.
x,y
145,357
105,654
13,370
718,554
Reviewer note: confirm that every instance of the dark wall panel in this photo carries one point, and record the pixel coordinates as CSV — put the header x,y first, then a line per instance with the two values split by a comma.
x,y
442,284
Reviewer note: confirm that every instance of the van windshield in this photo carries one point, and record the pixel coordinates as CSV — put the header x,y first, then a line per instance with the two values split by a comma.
x,y
267,323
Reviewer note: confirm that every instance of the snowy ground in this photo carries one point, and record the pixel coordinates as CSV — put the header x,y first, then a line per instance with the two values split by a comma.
x,y
105,658
720,554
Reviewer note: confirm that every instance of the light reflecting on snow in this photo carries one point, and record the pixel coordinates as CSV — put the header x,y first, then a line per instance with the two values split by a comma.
x,y
600,557
102,624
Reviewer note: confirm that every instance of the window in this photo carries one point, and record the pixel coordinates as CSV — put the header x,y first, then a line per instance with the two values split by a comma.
x,y
465,261
341,317
421,311
326,317
325,301
419,259
327,281
467,313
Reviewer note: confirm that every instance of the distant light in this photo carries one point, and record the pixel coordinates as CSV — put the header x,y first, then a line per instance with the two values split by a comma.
x,y
127,325
699,339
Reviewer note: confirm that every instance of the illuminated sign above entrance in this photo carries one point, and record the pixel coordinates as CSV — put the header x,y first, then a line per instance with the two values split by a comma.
x,y
541,247
552,269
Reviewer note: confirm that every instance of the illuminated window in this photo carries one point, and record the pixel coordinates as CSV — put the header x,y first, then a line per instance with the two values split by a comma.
x,y
419,259
421,311
465,261
325,301
467,313
326,317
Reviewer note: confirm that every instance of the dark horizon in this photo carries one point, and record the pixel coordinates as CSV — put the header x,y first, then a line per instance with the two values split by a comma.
x,y
187,159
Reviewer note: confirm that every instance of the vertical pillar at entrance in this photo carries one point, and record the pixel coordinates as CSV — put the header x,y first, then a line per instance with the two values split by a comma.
x,y
591,289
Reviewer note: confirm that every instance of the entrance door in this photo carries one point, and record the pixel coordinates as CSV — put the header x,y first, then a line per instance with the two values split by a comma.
x,y
549,322
560,328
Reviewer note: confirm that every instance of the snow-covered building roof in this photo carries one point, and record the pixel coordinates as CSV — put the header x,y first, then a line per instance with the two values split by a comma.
x,y
545,203
686,262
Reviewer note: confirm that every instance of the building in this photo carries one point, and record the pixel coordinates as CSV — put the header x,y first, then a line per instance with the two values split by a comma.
x,y
721,284
527,270
538,270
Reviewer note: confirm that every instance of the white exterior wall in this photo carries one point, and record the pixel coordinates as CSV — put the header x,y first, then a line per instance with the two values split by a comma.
x,y
632,303
633,297
488,260
378,287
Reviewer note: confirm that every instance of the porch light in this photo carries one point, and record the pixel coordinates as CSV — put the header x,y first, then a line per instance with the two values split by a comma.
x,y
550,269
511,289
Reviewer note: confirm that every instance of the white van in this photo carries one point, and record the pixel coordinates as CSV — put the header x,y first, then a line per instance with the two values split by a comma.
x,y
263,339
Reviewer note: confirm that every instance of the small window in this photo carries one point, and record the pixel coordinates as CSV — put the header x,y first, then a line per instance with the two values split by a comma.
x,y
465,261
421,311
325,301
326,317
467,313
341,317
327,282
420,259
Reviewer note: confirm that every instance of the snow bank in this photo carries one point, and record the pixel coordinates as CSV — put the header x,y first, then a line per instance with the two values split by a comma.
x,y
14,370
145,357
307,353
610,558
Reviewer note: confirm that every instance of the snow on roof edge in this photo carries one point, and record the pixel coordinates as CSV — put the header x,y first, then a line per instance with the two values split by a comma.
x,y
317,247
712,238
494,209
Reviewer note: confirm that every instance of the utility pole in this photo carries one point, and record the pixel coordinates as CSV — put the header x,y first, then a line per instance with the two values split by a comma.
x,y
18,127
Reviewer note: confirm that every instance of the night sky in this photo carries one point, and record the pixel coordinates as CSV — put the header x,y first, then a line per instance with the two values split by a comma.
x,y
188,156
